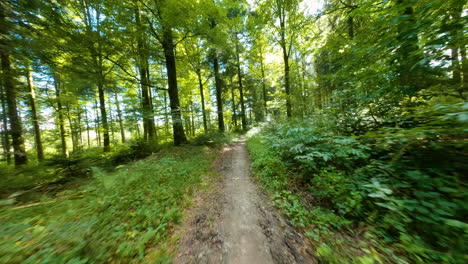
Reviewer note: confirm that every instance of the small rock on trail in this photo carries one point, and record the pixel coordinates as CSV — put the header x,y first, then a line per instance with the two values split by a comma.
x,y
235,223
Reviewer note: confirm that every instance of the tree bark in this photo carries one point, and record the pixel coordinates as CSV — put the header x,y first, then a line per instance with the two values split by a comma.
x,y
35,118
264,91
87,127
105,123
177,125
241,90
281,12
457,49
148,113
16,130
287,85
202,95
119,115
5,134
233,99
97,127
407,53
61,121
192,118
219,92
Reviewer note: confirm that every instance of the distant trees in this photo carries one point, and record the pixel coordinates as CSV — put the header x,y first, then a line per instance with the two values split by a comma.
x,y
93,73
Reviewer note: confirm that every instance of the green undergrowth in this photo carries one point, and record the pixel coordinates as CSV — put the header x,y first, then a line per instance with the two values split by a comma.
x,y
120,216
58,172
390,196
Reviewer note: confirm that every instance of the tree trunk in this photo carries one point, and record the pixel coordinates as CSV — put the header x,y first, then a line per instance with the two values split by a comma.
x,y
16,130
464,64
192,118
350,26
457,49
61,121
87,127
287,85
284,46
177,125
264,91
35,118
241,90
97,126
234,114
111,123
166,115
79,128
202,95
148,113
5,135
219,92
119,115
105,124
407,53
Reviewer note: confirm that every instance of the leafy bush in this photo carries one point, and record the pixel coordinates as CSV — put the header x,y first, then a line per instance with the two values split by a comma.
x,y
406,185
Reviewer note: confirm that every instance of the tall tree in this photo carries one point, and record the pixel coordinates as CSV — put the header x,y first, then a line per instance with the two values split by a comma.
x,y
143,67
241,87
34,115
162,12
290,22
60,115
16,129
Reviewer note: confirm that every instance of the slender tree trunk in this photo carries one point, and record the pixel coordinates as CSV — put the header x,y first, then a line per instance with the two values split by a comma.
x,y
457,49
304,94
202,95
284,46
407,53
61,120
264,91
119,114
241,91
148,113
98,124
80,131
233,99
35,118
72,128
464,61
111,124
287,85
166,115
5,135
350,26
192,118
219,92
105,124
177,126
87,127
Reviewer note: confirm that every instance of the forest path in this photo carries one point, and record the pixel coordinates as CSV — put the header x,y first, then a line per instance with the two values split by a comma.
x,y
233,222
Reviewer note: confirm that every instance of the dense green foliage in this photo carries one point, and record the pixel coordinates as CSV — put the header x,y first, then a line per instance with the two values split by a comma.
x,y
124,216
405,187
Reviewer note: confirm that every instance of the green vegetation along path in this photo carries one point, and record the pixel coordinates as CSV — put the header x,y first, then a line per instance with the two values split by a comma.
x,y
240,224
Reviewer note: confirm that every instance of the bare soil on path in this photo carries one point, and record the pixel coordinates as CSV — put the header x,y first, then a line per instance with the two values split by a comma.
x,y
232,221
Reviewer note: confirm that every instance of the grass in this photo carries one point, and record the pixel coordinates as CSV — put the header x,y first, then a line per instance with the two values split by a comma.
x,y
121,216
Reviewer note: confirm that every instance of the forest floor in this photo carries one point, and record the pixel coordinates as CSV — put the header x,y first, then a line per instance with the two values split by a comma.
x,y
232,221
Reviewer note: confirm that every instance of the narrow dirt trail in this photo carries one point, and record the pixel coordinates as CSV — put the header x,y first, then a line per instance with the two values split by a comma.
x,y
233,222
244,240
